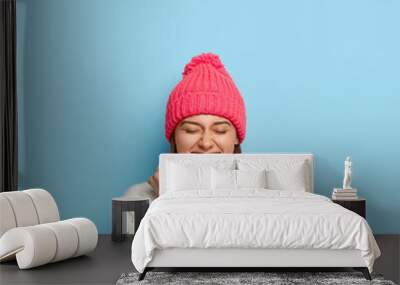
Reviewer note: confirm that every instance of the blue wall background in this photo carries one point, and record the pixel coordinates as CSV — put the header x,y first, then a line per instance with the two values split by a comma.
x,y
317,76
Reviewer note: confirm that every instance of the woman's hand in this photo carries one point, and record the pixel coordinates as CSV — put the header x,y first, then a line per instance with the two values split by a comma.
x,y
153,181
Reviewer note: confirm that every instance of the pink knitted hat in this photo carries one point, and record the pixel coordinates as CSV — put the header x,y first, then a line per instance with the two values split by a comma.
x,y
206,88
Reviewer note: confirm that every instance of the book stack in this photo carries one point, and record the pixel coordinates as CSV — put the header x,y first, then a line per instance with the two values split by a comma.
x,y
344,194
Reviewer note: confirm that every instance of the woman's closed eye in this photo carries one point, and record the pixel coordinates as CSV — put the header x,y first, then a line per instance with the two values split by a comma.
x,y
195,131
221,131
191,131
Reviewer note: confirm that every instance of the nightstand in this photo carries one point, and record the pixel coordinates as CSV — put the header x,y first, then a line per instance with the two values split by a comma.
x,y
358,206
120,205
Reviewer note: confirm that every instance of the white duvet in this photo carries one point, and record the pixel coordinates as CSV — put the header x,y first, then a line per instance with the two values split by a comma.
x,y
251,218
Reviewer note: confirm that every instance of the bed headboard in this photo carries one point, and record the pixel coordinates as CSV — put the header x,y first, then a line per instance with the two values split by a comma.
x,y
214,158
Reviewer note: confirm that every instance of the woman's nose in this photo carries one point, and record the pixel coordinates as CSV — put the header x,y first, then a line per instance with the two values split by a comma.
x,y
206,141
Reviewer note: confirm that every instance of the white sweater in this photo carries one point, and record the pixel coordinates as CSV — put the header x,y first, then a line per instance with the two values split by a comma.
x,y
141,190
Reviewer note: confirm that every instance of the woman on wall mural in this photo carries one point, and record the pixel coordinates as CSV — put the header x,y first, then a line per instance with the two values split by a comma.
x,y
205,114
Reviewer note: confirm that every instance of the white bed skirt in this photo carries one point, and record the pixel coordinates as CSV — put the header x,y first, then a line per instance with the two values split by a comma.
x,y
235,257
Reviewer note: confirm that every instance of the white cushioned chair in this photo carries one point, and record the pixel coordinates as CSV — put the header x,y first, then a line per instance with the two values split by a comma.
x,y
32,233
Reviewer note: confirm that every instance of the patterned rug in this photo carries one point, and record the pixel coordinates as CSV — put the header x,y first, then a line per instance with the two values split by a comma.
x,y
229,278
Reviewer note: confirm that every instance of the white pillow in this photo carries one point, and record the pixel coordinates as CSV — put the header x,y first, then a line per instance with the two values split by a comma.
x,y
236,179
187,177
281,174
223,179
251,178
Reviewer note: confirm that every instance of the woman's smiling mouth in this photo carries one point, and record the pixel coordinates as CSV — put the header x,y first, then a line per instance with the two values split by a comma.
x,y
204,152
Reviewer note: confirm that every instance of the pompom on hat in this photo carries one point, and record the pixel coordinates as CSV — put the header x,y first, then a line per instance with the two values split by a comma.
x,y
206,88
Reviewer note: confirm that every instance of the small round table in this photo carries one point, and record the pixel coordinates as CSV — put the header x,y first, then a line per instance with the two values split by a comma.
x,y
122,204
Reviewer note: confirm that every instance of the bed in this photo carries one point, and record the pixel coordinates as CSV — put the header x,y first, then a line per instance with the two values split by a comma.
x,y
244,211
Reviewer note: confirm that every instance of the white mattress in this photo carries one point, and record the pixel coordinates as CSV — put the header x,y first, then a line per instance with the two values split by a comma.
x,y
252,218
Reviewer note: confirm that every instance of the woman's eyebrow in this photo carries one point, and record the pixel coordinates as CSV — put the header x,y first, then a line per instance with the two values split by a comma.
x,y
222,122
190,122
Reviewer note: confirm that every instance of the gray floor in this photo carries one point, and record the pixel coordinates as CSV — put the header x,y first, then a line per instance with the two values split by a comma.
x,y
110,259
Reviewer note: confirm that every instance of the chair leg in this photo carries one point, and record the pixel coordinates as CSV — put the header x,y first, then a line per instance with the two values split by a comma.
x,y
364,271
143,274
